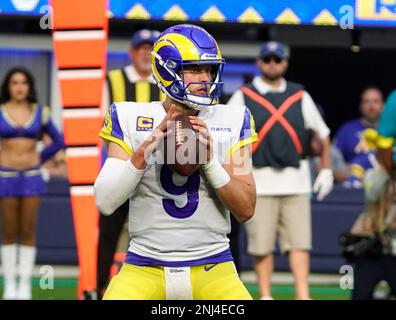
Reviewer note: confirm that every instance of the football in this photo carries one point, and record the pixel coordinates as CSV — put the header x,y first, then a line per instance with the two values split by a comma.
x,y
183,153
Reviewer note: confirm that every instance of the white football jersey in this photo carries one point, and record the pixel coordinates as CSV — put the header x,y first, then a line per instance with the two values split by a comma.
x,y
172,217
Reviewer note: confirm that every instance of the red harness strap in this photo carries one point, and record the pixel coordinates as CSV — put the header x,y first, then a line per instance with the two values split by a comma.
x,y
277,115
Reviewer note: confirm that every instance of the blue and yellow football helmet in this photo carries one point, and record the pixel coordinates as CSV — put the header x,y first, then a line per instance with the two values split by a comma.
x,y
178,47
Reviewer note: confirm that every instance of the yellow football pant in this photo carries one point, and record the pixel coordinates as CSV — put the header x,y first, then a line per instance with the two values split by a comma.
x,y
148,283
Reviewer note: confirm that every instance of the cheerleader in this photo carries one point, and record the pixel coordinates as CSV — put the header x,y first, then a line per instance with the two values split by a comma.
x,y
23,122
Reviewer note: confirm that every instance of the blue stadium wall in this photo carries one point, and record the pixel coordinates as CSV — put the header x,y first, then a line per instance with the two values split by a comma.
x,y
56,241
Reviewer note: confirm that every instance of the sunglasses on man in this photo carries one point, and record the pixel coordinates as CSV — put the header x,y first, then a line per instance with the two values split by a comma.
x,y
272,58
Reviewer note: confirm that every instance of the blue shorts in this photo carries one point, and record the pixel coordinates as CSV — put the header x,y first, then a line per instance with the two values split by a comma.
x,y
21,183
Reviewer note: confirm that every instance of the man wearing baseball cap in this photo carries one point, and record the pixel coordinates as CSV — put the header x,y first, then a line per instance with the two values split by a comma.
x,y
131,83
285,115
275,49
134,82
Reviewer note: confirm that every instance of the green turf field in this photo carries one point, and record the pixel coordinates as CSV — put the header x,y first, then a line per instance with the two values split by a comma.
x,y
318,292
65,289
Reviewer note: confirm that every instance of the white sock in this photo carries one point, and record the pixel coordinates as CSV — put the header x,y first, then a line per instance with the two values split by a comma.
x,y
266,298
27,258
8,260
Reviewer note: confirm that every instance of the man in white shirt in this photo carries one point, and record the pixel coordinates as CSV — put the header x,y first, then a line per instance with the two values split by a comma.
x,y
284,113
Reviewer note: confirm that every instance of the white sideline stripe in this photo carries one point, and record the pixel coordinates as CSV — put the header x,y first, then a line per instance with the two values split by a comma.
x,y
82,152
79,35
80,74
81,113
82,191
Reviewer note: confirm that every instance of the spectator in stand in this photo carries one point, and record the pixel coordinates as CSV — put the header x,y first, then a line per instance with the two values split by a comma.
x,y
355,138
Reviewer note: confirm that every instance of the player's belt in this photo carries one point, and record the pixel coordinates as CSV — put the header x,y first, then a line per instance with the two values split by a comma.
x,y
276,116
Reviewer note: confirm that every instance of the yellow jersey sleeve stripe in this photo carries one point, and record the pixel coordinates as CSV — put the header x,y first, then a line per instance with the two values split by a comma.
x,y
121,143
385,142
240,144
117,85
253,128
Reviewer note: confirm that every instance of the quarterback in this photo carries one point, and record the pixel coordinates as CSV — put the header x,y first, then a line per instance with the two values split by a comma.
x,y
178,224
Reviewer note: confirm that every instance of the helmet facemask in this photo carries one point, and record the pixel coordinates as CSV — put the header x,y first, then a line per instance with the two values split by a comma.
x,y
180,92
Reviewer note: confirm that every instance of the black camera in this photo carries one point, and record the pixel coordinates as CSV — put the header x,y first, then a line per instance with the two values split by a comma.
x,y
354,246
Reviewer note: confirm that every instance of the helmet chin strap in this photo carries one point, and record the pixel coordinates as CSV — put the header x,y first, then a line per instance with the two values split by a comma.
x,y
196,102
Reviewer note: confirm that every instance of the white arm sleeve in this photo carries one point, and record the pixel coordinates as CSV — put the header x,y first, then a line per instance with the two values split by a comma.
x,y
237,99
312,118
116,181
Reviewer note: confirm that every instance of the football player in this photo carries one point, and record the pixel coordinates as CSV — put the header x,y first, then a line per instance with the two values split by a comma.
x,y
178,224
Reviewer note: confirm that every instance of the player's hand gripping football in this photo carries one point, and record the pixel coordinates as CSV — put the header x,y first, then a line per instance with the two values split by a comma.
x,y
204,136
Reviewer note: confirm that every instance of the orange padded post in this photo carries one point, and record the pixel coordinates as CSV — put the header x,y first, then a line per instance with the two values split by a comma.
x,y
80,44
86,223
81,131
83,164
81,88
80,49
79,14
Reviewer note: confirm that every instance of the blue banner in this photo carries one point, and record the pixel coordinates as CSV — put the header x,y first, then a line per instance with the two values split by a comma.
x,y
345,13
24,7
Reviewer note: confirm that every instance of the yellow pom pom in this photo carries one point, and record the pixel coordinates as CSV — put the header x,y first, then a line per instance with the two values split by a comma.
x,y
371,135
